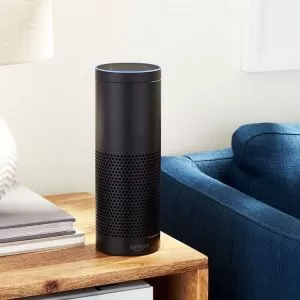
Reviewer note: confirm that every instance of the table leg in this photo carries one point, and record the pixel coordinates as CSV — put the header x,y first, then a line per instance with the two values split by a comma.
x,y
183,286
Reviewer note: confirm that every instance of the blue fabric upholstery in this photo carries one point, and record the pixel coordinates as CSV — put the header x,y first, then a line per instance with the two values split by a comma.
x,y
213,163
266,164
253,248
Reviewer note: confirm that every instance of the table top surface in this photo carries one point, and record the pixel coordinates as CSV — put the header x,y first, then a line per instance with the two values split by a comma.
x,y
74,268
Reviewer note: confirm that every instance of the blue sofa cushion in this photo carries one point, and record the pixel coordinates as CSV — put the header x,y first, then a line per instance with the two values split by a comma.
x,y
266,164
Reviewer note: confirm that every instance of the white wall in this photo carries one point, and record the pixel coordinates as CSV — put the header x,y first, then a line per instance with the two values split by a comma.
x,y
50,105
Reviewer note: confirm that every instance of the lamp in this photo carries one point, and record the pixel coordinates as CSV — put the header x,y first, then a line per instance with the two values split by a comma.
x,y
25,31
25,35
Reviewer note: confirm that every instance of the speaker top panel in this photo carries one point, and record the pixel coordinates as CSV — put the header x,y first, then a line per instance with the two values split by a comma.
x,y
128,72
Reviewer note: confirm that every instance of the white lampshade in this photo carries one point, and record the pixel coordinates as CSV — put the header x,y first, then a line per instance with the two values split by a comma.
x,y
25,31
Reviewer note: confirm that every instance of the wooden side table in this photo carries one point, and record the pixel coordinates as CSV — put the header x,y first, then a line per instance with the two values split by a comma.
x,y
176,271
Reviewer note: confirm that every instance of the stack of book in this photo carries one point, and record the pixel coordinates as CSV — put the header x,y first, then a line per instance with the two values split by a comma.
x,y
29,222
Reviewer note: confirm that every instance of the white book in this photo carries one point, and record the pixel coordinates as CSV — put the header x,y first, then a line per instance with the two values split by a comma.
x,y
136,290
48,243
25,215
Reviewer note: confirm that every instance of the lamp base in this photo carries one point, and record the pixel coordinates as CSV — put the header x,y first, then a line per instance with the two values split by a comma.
x,y
8,158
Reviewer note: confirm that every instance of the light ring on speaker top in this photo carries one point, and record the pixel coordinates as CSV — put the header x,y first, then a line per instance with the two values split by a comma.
x,y
128,68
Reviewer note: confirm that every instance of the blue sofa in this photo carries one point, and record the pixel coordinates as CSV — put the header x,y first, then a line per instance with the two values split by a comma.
x,y
253,245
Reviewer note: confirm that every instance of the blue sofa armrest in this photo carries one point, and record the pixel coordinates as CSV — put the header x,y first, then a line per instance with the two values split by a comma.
x,y
213,163
253,249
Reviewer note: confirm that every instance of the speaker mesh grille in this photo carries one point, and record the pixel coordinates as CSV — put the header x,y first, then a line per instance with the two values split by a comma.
x,y
128,195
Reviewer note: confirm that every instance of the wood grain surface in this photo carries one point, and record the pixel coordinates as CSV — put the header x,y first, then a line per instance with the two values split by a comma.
x,y
203,284
61,270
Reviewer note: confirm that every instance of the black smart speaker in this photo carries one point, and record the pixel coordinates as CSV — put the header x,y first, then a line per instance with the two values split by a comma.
x,y
128,142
